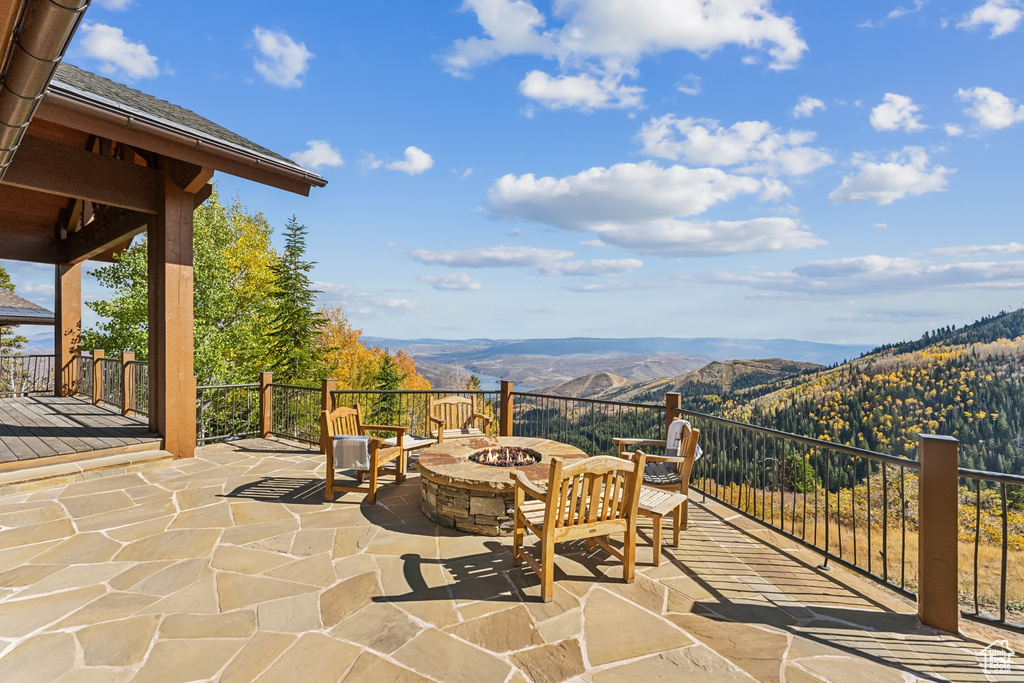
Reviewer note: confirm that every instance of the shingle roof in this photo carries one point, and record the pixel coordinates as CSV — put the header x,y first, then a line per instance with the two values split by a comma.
x,y
84,83
15,310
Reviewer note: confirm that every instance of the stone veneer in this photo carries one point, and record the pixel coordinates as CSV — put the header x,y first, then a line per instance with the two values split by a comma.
x,y
458,493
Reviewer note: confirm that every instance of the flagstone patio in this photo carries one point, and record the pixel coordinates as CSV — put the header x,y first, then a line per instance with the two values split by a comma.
x,y
231,567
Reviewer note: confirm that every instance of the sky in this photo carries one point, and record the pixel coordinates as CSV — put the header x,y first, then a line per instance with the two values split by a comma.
x,y
826,171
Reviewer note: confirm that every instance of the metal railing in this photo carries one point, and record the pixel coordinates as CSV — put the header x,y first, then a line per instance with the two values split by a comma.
x,y
991,547
227,411
412,408
588,424
856,507
21,375
85,364
140,368
295,412
111,391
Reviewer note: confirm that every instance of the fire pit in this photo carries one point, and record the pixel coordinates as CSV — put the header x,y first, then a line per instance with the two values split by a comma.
x,y
459,491
506,456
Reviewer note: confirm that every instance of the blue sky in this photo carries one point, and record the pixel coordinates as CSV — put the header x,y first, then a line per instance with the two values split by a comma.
x,y
838,172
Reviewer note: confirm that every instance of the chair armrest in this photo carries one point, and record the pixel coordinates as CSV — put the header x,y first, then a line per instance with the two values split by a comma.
x,y
529,488
385,428
436,420
639,442
485,418
665,458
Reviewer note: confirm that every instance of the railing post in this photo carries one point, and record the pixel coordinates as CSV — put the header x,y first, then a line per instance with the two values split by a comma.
x,y
127,383
326,387
505,409
937,594
673,407
97,376
266,403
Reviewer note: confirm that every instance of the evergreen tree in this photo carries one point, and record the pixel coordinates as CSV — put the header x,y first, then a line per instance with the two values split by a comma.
x,y
10,343
293,352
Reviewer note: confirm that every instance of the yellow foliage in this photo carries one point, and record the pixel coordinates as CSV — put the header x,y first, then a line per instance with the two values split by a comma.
x,y
353,365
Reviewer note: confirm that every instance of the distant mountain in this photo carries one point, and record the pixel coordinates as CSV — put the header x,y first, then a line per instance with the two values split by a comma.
x,y
588,386
547,362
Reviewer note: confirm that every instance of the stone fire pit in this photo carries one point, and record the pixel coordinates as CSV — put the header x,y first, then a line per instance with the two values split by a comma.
x,y
461,494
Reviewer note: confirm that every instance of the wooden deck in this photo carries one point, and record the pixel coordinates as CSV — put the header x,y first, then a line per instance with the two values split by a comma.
x,y
34,429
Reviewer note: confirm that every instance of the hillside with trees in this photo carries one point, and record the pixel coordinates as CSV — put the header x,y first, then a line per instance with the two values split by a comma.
x,y
966,382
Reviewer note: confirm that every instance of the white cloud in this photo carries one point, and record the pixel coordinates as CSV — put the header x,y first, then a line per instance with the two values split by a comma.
x,y
953,130
905,173
451,282
317,153
284,62
605,40
117,55
754,146
1003,15
114,5
640,207
896,112
806,106
416,161
971,250
369,162
875,275
690,86
584,91
904,11
491,257
596,267
991,108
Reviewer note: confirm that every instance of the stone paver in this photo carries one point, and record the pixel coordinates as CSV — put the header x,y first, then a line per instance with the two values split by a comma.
x,y
196,570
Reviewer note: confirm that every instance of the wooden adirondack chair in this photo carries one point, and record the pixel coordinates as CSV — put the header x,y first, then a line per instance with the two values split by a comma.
x,y
669,472
349,422
454,417
589,499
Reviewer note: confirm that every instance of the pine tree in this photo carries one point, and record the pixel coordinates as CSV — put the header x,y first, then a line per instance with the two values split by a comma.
x,y
10,343
293,352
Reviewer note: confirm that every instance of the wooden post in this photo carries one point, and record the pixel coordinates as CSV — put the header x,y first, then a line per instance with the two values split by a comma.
x,y
505,409
266,403
326,387
127,383
67,338
172,386
937,604
97,376
673,407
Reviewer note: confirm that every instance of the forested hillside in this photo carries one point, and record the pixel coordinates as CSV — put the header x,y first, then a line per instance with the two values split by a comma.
x,y
967,383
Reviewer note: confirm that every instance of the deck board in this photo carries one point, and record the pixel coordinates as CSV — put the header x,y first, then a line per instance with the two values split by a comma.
x,y
35,427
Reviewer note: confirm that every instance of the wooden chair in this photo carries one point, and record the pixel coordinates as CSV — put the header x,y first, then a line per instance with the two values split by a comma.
x,y
349,422
589,499
670,472
454,417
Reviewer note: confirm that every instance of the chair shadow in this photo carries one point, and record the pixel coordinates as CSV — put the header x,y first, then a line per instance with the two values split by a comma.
x,y
292,490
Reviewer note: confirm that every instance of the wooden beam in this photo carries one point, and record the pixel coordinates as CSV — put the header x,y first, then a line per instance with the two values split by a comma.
x,y
108,229
67,340
203,194
190,177
55,168
172,387
31,248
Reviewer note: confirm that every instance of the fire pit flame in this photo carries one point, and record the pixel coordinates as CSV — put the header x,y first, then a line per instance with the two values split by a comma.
x,y
506,456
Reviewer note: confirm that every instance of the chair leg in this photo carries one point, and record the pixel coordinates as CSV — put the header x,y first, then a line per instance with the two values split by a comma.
x,y
686,514
518,535
547,573
657,541
678,522
373,484
402,465
329,484
629,553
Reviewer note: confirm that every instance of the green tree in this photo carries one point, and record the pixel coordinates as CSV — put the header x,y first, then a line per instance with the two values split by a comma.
x,y
389,377
293,352
10,343
230,314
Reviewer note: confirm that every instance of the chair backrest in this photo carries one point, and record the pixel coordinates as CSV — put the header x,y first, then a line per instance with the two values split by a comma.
x,y
342,422
456,411
594,490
